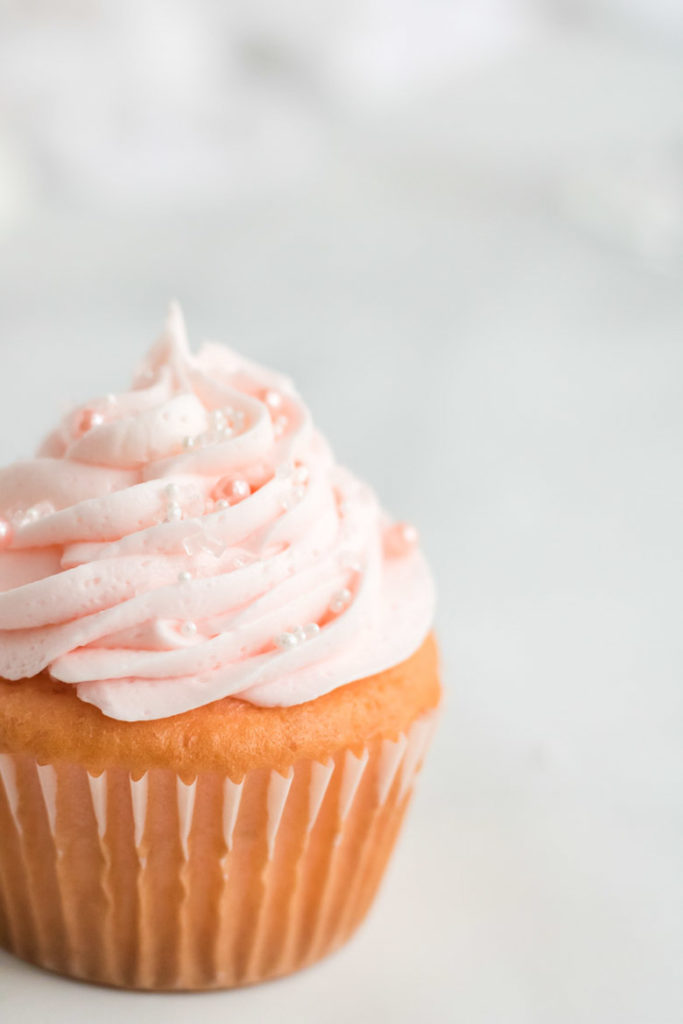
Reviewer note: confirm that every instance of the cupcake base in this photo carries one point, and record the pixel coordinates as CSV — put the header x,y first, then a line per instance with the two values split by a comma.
x,y
170,883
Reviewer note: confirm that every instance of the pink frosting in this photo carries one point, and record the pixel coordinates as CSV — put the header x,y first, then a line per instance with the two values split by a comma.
x,y
193,539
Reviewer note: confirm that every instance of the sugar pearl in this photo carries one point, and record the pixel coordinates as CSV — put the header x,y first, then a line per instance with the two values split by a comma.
x,y
222,504
311,629
5,531
285,641
400,539
240,489
188,628
273,399
36,512
184,577
173,513
88,420
189,443
217,419
410,535
300,633
340,600
172,491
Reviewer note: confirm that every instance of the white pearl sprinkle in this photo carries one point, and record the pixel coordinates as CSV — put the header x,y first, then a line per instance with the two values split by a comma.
x,y
340,600
299,493
280,426
173,513
410,535
110,400
5,530
273,399
188,628
217,419
184,577
297,635
222,504
235,417
240,489
36,512
285,641
96,420
172,491
189,443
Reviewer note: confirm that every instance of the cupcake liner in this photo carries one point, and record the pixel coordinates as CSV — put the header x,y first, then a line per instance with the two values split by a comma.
x,y
169,883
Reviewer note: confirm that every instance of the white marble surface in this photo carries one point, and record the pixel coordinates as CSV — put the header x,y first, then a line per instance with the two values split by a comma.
x,y
505,363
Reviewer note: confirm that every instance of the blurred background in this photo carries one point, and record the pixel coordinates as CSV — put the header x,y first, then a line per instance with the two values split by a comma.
x,y
459,227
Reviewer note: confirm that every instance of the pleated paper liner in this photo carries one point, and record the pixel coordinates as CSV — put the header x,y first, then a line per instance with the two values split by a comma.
x,y
167,883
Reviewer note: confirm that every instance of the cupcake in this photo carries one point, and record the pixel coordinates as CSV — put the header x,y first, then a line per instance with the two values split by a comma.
x,y
217,683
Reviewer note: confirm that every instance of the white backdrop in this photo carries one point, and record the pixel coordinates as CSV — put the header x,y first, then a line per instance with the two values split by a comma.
x,y
475,282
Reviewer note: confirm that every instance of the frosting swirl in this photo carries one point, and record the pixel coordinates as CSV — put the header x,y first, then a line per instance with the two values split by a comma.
x,y
193,539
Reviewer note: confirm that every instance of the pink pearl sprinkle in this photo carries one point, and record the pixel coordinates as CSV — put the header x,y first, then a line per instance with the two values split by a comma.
x,y
400,539
88,420
231,490
5,532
